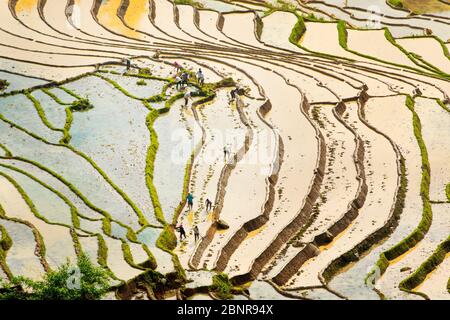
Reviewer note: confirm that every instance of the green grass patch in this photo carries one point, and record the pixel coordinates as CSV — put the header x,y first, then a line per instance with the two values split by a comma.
x,y
222,286
141,82
3,85
81,105
396,3
5,240
167,239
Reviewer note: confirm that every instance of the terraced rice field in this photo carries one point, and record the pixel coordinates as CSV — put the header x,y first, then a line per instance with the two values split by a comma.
x,y
328,173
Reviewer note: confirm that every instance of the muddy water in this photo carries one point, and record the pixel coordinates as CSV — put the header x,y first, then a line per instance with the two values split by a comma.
x,y
340,185
164,20
298,164
57,239
381,180
435,285
178,135
262,290
107,16
439,231
378,46
48,204
164,260
117,144
54,112
82,208
116,261
254,166
435,129
18,82
222,125
277,29
20,110
90,247
21,258
186,22
241,27
73,168
151,87
429,49
391,117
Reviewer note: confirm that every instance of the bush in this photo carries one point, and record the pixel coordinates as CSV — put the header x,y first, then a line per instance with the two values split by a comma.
x,y
145,71
81,105
56,285
141,83
3,84
222,286
396,3
5,240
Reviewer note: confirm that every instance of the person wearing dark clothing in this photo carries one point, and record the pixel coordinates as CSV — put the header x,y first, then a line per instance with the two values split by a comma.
x,y
182,232
128,64
208,205
196,233
184,78
225,153
233,94
190,200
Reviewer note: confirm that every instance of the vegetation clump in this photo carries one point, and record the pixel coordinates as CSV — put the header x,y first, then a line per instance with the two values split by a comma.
x,y
141,83
82,281
145,71
3,84
396,3
81,105
222,286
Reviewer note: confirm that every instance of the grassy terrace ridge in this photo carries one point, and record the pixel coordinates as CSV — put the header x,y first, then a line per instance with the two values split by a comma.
x,y
40,246
324,73
425,223
167,239
418,276
342,32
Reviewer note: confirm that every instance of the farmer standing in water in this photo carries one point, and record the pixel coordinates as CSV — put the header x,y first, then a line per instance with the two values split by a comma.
x,y
196,233
187,96
182,232
208,205
190,200
200,77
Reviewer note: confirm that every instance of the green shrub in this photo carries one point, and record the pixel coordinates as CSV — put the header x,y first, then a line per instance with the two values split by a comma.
x,y
298,31
141,83
81,105
396,3
3,84
5,240
167,240
93,284
222,286
145,71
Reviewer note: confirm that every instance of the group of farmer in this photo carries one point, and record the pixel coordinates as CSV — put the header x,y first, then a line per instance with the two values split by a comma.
x,y
190,203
